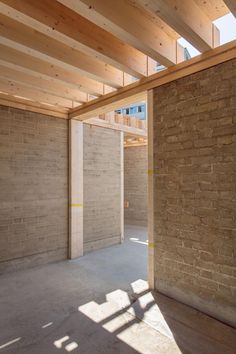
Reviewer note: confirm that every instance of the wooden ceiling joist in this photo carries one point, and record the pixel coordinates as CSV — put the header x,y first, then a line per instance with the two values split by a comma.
x,y
9,72
213,8
231,4
56,19
47,70
128,93
20,90
60,53
102,54
125,21
186,18
31,106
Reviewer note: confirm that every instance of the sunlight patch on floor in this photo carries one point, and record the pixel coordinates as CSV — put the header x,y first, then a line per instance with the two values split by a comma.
x,y
135,239
10,342
120,316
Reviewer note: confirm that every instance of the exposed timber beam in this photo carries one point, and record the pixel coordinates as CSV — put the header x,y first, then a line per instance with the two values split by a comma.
x,y
130,24
111,102
47,70
60,22
117,126
132,142
231,4
186,18
8,71
59,53
27,105
213,8
17,89
116,100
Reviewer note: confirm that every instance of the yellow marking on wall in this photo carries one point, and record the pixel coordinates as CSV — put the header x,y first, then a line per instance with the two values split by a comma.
x,y
151,245
150,172
77,205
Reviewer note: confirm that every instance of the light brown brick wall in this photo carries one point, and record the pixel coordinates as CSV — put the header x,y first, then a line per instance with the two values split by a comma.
x,y
33,188
135,185
102,187
195,190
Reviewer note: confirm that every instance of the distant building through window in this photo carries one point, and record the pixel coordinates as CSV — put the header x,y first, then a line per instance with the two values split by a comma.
x,y
139,110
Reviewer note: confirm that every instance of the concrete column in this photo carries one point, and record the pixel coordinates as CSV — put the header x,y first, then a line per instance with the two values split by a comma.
x,y
151,244
76,189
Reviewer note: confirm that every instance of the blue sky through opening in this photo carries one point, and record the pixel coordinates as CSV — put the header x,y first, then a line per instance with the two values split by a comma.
x,y
227,27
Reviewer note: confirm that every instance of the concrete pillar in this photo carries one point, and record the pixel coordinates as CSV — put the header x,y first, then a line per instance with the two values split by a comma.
x,y
76,189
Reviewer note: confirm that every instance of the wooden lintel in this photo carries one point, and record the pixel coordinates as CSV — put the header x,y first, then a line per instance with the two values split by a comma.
x,y
130,93
110,103
27,105
135,144
116,126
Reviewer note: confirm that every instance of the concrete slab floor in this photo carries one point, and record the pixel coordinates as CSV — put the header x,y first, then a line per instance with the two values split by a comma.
x,y
100,303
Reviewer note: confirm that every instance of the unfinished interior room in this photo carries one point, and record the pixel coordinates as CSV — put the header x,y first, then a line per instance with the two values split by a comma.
x,y
118,176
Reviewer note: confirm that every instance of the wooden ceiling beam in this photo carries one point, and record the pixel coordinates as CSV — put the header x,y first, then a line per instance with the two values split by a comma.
x,y
213,8
129,94
116,126
108,102
10,72
20,90
130,24
129,142
231,4
56,19
60,53
31,106
47,70
186,18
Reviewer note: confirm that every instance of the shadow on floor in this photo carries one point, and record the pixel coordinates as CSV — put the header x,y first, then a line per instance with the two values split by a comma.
x,y
100,303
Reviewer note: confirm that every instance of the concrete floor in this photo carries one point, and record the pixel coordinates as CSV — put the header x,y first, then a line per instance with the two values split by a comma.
x,y
100,304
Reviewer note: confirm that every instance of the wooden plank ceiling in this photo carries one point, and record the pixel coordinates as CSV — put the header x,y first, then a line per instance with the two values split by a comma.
x,y
65,53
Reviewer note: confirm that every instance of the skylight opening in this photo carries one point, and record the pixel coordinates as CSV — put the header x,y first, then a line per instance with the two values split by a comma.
x,y
190,48
227,27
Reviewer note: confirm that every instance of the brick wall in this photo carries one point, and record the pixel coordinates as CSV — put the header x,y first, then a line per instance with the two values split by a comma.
x,y
135,185
102,187
195,190
33,188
